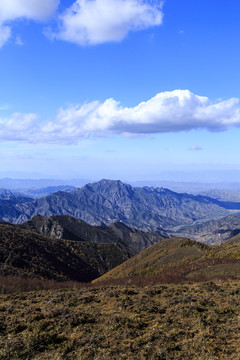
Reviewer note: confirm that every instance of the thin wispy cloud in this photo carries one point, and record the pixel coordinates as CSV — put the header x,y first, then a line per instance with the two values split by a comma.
x,y
174,111
91,22
4,107
5,34
195,148
19,41
15,155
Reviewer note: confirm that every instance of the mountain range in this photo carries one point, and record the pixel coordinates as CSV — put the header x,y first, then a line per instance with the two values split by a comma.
x,y
111,230
108,201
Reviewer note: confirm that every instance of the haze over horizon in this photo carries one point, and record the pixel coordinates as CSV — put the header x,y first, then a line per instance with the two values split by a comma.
x,y
123,89
198,177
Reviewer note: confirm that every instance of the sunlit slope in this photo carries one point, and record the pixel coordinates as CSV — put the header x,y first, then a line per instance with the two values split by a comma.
x,y
178,259
166,254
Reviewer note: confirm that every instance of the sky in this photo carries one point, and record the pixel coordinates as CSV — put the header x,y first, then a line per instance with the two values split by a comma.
x,y
120,89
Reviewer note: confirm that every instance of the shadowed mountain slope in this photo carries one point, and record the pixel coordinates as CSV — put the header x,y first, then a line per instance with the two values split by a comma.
x,y
135,239
25,253
67,227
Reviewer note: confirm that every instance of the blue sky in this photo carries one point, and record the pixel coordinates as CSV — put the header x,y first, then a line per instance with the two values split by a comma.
x,y
123,89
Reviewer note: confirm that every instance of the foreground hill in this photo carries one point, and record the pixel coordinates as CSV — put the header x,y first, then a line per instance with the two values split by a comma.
x,y
25,253
109,201
175,322
179,259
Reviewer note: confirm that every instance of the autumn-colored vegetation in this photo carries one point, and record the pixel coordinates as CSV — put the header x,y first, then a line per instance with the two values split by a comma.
x,y
178,299
179,259
183,321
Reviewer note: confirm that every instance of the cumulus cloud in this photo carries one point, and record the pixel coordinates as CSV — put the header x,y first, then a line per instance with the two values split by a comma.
x,y
11,10
91,22
18,127
174,111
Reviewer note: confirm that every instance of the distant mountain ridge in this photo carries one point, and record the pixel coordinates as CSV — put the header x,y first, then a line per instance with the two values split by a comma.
x,y
13,197
108,201
45,191
222,195
213,231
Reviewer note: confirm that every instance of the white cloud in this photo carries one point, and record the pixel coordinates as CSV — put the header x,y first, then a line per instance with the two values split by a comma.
x,y
91,22
5,34
19,127
30,9
175,111
11,10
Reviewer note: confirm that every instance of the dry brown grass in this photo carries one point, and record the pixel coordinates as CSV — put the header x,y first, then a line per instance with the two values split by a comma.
x,y
174,321
13,284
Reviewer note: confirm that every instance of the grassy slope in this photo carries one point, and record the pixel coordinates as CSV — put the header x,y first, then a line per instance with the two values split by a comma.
x,y
190,321
180,257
